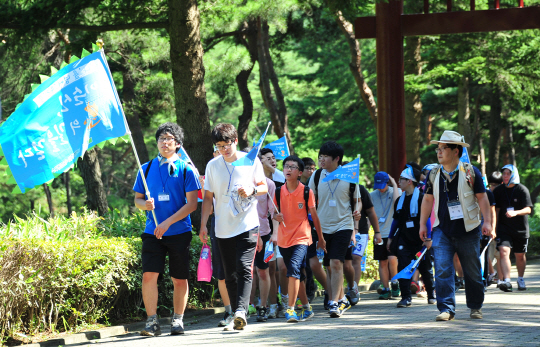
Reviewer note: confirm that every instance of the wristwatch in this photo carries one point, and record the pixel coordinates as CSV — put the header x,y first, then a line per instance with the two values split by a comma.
x,y
254,191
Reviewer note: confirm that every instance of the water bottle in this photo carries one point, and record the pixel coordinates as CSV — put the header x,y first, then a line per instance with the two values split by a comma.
x,y
204,254
363,264
320,253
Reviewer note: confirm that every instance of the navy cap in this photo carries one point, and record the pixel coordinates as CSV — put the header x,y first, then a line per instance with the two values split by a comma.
x,y
381,179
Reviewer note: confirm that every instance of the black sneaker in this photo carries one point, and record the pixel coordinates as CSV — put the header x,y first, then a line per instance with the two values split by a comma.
x,y
227,318
262,314
326,301
177,326
404,303
152,328
505,286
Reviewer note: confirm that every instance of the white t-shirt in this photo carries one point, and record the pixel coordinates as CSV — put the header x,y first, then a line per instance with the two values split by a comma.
x,y
278,176
221,176
334,208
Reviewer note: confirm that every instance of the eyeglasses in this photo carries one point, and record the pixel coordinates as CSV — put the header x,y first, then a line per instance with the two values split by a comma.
x,y
222,148
440,149
288,167
310,168
166,139
403,179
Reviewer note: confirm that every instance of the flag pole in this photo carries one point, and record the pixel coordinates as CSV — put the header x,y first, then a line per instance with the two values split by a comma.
x,y
287,143
196,171
413,268
358,206
275,207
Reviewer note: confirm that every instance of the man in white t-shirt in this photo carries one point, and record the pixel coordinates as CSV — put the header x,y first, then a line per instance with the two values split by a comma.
x,y
236,219
269,165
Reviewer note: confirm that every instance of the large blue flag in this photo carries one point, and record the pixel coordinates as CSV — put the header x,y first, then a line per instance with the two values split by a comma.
x,y
465,156
249,159
70,112
348,173
408,272
280,148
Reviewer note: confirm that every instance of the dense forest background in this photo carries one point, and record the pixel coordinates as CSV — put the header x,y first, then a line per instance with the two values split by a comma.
x,y
291,61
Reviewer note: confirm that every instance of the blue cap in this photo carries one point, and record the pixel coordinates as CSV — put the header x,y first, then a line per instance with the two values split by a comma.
x,y
381,179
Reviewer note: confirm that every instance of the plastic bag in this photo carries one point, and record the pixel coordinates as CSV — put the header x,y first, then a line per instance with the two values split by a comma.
x,y
268,251
204,270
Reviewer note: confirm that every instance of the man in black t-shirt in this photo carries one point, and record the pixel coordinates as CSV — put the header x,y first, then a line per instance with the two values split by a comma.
x,y
513,205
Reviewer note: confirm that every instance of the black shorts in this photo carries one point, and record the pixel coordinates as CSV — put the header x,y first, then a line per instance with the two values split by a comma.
x,y
312,249
154,252
518,242
337,246
348,255
217,265
380,252
259,256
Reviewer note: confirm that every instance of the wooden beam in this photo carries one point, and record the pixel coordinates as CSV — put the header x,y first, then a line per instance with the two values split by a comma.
x,y
457,22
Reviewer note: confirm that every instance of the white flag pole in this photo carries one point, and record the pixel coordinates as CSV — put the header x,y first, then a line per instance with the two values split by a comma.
x,y
358,205
287,143
275,207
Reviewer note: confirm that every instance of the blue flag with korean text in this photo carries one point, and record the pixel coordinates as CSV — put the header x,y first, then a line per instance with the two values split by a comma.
x,y
280,148
465,156
249,159
70,112
348,173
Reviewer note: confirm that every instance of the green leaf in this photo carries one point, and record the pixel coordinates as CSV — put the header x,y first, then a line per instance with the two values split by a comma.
x,y
43,78
73,59
34,86
84,53
16,190
95,48
53,70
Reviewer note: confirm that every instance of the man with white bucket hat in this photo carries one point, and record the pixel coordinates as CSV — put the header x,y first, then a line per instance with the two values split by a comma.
x,y
459,195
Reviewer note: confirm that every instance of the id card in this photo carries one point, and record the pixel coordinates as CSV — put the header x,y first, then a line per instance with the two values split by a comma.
x,y
382,220
332,203
456,212
163,197
510,208
225,199
409,224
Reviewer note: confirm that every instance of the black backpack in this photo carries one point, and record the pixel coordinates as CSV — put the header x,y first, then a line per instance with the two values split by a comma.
x,y
306,197
352,187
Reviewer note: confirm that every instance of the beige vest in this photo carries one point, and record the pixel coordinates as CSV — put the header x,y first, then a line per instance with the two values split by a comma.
x,y
469,203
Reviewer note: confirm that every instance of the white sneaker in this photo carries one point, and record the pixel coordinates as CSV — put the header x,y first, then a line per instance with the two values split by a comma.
x,y
273,311
227,319
240,320
521,284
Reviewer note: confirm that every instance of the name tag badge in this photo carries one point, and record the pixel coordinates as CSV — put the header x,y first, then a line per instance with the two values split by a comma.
x,y
456,212
332,203
510,208
163,197
409,224
382,220
225,199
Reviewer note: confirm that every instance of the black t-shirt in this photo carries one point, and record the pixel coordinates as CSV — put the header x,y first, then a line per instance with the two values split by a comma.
x,y
517,197
455,227
491,197
408,236
366,205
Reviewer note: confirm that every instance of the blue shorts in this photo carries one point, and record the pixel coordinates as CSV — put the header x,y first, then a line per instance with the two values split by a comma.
x,y
294,258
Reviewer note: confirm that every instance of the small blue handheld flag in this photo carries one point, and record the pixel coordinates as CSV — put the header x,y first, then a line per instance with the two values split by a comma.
x,y
408,272
249,159
465,156
348,173
280,148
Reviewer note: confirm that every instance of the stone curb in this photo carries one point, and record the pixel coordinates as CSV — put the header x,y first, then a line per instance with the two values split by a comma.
x,y
88,336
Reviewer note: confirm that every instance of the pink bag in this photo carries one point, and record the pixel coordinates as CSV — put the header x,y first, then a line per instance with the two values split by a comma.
x,y
204,270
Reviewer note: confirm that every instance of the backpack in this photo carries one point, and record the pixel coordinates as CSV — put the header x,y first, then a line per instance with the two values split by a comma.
x,y
306,197
469,171
352,187
150,164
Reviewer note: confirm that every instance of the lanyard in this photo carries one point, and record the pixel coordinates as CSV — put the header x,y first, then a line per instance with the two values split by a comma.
x,y
509,198
335,188
385,212
446,189
230,175
161,178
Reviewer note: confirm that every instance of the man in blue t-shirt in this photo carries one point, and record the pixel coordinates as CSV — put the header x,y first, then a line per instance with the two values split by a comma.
x,y
173,190
459,195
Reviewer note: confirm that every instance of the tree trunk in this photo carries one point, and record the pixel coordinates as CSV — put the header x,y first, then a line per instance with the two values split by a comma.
x,y
356,67
188,77
68,193
96,199
428,129
132,116
464,113
49,199
494,130
249,40
511,148
413,104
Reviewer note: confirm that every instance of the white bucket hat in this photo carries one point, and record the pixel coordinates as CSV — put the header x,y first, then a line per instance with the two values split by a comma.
x,y
451,137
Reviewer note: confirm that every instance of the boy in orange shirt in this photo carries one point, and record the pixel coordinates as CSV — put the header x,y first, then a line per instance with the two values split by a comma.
x,y
294,238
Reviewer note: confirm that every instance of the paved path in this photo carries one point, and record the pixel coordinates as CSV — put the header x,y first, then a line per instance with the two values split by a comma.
x,y
509,319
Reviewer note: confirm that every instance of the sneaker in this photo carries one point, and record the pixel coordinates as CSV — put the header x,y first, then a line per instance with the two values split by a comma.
x,y
431,301
273,311
444,316
334,310
521,284
476,313
385,294
152,328
230,325
395,289
344,305
306,314
422,294
299,304
251,310
459,283
177,326
325,300
227,319
505,286
262,314
491,278
281,313
414,287
404,302
380,289
240,320
291,316
353,296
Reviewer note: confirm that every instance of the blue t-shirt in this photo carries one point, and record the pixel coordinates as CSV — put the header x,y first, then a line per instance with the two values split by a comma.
x,y
160,182
453,228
